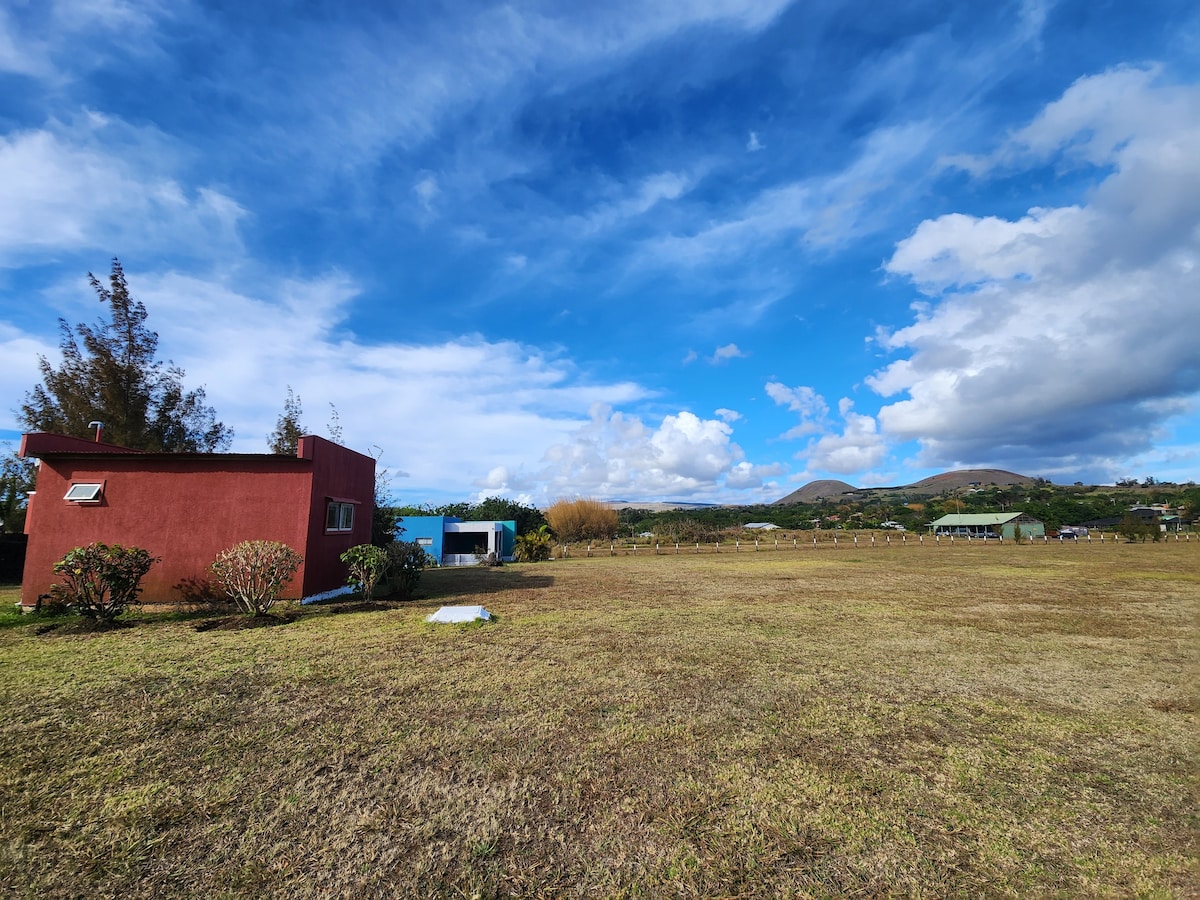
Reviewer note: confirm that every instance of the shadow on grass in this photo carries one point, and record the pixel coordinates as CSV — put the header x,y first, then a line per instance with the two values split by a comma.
x,y
438,584
240,622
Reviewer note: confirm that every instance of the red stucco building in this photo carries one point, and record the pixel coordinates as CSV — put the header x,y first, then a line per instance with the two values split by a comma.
x,y
188,507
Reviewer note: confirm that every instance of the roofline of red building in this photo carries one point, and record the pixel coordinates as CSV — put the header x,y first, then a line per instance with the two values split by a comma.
x,y
42,444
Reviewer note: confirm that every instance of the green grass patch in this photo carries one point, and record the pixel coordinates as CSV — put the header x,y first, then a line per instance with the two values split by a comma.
x,y
919,721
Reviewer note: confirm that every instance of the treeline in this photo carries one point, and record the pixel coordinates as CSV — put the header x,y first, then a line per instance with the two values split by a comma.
x,y
1055,505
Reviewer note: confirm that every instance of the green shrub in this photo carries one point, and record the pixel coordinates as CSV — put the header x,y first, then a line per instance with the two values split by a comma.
x,y
100,580
254,573
406,560
534,546
367,564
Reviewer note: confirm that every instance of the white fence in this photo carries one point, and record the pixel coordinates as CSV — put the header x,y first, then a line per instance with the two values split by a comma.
x,y
834,541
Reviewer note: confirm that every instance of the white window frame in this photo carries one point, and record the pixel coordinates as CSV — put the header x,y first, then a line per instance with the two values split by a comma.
x,y
339,517
85,492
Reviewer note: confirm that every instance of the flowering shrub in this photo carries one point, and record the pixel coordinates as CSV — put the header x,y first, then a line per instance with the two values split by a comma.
x,y
254,572
100,580
367,564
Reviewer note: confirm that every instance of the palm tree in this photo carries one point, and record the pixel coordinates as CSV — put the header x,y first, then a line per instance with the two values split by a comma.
x,y
534,546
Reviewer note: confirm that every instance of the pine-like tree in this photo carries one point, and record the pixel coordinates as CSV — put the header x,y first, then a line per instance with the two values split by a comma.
x,y
115,379
285,439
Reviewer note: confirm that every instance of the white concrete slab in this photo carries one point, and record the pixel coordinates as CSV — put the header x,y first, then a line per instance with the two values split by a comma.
x,y
451,614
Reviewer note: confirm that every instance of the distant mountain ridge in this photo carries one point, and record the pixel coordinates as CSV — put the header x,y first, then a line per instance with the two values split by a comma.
x,y
827,489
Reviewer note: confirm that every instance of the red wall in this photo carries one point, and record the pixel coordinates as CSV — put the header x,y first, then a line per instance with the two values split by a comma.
x,y
345,475
186,508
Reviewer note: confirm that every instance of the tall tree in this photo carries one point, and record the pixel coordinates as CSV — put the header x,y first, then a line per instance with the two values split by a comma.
x,y
17,478
285,439
116,379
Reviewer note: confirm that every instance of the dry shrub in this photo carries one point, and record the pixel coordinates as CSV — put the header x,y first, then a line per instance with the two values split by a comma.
x,y
254,572
582,520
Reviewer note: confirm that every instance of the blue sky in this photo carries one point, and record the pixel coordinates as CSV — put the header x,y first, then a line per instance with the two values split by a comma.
x,y
701,251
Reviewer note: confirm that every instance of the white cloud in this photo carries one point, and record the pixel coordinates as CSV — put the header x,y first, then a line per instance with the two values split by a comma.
x,y
637,199
728,416
95,184
19,370
427,190
753,145
727,352
810,405
1068,333
46,40
618,456
447,414
858,448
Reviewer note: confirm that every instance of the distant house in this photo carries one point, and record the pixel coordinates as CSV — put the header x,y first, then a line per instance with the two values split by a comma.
x,y
983,525
187,507
1141,515
760,526
453,542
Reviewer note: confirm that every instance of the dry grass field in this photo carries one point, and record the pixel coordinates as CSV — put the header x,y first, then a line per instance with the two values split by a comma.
x,y
932,722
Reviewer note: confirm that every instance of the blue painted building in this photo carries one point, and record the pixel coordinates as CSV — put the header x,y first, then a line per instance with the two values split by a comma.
x,y
453,542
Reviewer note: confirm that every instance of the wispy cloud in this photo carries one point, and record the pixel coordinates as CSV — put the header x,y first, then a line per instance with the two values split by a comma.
x,y
96,183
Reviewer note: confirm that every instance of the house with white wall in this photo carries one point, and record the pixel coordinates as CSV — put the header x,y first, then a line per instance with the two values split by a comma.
x,y
453,542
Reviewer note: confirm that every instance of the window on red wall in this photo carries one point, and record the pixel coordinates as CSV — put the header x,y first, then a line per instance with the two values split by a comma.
x,y
81,492
339,516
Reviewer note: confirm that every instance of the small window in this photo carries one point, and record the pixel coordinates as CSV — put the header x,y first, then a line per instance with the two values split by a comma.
x,y
424,542
339,516
84,493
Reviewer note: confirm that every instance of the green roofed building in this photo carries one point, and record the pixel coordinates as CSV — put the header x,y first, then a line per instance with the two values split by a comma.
x,y
984,525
